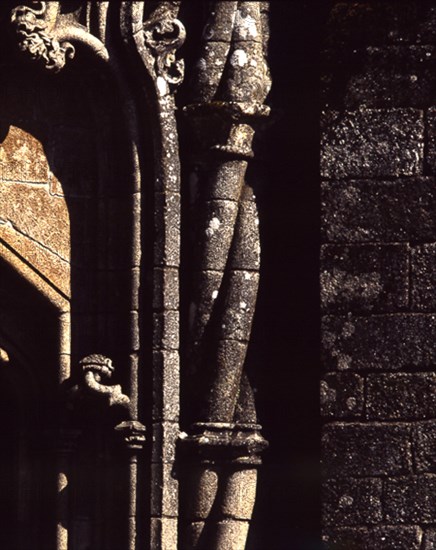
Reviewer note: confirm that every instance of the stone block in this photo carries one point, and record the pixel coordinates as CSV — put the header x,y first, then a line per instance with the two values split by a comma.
x,y
216,233
163,533
430,158
374,538
165,288
230,533
167,230
166,385
206,289
354,449
423,277
429,542
372,143
352,502
364,277
166,330
424,446
370,22
401,396
246,244
22,158
164,490
342,395
21,204
359,211
224,175
239,497
165,435
410,500
240,299
389,76
381,342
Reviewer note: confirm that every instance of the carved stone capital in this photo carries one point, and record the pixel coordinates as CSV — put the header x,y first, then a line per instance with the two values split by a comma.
x,y
226,128
224,443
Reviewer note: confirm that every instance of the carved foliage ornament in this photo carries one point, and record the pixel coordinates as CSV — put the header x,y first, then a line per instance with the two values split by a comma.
x,y
34,40
164,35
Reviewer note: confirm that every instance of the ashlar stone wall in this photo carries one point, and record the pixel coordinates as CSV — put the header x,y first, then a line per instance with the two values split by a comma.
x,y
378,274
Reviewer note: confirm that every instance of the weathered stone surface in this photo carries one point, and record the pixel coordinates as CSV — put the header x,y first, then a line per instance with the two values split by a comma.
x,y
424,446
240,494
22,204
246,244
429,542
164,493
410,499
364,277
352,502
430,157
49,264
374,538
198,504
163,533
22,158
206,289
354,24
386,449
372,143
167,229
230,533
222,178
166,288
218,221
390,76
166,330
166,396
359,211
342,395
423,277
400,396
382,342
164,436
241,298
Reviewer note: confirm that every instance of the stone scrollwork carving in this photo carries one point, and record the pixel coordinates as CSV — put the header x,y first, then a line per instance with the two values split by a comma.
x,y
164,35
97,369
34,40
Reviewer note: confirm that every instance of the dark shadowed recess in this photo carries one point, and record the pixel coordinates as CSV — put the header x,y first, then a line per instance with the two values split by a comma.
x,y
285,351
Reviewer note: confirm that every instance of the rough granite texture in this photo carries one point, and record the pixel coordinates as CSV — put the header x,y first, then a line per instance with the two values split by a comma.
x,y
378,275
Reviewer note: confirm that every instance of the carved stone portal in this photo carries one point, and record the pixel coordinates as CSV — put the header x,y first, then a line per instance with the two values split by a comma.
x,y
94,145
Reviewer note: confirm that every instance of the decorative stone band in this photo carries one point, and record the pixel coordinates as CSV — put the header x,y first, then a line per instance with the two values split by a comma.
x,y
224,443
233,123
132,434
